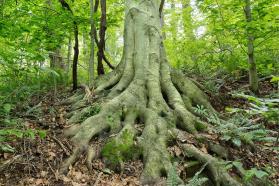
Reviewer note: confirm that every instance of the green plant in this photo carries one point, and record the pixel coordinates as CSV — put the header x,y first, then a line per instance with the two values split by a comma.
x,y
95,109
238,128
200,109
8,135
266,107
197,180
173,178
247,175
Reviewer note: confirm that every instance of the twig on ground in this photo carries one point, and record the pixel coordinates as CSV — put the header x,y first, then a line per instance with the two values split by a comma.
x,y
60,144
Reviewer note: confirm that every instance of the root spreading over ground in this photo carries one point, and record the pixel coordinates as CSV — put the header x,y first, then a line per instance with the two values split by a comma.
x,y
141,106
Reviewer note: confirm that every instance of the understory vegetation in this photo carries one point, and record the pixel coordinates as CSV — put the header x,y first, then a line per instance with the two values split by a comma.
x,y
128,92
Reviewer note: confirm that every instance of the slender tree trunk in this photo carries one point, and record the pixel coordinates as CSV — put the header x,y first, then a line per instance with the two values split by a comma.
x,y
253,76
102,33
69,54
84,44
56,61
75,60
91,60
101,43
76,48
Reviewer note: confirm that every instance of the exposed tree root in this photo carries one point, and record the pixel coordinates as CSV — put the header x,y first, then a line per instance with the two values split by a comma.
x,y
216,169
142,90
160,111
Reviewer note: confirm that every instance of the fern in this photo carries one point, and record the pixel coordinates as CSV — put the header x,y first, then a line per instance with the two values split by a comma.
x,y
237,129
197,180
173,178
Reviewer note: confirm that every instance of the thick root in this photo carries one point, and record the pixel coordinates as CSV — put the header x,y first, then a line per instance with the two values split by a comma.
x,y
73,99
81,115
72,159
118,117
91,154
215,166
154,143
82,134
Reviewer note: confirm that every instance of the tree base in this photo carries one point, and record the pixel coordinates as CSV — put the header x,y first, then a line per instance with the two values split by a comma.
x,y
141,124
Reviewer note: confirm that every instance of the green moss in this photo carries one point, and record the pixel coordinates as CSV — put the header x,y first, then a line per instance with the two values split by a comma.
x,y
95,109
113,121
200,126
121,149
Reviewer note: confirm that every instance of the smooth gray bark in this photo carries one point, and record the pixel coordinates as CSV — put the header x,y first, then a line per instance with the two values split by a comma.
x,y
253,76
69,54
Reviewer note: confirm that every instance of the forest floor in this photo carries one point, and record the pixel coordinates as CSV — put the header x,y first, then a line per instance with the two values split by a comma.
x,y
36,162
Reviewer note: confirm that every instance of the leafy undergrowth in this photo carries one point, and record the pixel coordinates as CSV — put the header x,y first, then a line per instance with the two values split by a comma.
x,y
245,143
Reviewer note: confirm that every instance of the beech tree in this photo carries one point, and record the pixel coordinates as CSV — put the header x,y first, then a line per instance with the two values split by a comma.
x,y
145,90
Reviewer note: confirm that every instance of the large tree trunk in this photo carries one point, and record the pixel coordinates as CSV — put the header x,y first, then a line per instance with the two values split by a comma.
x,y
142,90
253,76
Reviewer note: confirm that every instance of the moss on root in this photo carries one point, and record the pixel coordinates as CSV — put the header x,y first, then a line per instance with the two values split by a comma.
x,y
121,149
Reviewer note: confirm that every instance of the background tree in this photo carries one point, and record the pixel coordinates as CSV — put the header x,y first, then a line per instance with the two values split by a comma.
x,y
76,47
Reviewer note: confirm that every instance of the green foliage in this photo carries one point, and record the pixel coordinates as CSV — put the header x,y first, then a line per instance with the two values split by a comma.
x,y
237,129
95,109
208,37
266,107
173,177
248,175
9,135
197,180
274,79
201,110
